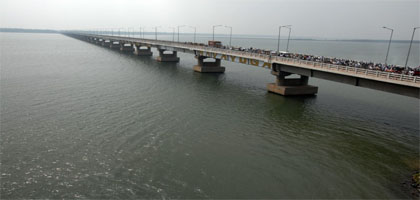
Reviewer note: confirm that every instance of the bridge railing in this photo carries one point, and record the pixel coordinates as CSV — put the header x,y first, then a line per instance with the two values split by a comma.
x,y
355,70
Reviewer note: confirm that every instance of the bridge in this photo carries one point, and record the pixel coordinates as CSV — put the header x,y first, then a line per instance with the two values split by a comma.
x,y
280,67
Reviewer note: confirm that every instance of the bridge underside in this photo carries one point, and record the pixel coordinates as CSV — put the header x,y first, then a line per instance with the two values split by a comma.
x,y
351,80
167,57
208,67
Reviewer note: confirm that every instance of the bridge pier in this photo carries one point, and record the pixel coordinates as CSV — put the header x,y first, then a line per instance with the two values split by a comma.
x,y
167,57
99,41
114,45
126,47
106,43
290,86
142,50
208,67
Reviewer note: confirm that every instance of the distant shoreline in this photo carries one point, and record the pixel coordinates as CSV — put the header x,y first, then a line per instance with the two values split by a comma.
x,y
238,36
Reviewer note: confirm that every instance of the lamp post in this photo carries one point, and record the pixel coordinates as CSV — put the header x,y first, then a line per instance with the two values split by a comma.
x,y
230,37
173,33
156,32
409,49
389,44
195,31
142,32
131,32
139,32
278,39
178,30
288,38
214,26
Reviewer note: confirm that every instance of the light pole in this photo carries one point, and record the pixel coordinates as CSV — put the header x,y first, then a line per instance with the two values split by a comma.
x,y
195,31
230,37
214,26
288,38
389,44
409,49
173,33
178,30
142,32
278,39
139,32
130,34
156,32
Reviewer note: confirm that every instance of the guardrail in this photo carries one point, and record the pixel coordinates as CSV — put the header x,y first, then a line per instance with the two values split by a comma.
x,y
352,70
269,58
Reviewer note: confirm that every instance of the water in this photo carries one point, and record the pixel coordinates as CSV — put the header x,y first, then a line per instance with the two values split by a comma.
x,y
82,121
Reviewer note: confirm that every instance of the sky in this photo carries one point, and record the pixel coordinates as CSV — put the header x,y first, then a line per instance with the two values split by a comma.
x,y
319,19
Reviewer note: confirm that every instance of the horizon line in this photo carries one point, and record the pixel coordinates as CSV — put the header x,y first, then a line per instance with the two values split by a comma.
x,y
36,30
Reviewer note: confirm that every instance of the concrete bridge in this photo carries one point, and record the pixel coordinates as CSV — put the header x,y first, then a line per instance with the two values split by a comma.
x,y
280,67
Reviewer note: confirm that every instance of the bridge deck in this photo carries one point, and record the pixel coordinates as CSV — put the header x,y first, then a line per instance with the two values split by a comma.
x,y
374,79
375,75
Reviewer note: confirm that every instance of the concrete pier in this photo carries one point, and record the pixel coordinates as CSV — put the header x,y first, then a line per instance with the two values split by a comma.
x,y
106,43
114,45
126,47
165,57
208,67
99,41
142,50
290,86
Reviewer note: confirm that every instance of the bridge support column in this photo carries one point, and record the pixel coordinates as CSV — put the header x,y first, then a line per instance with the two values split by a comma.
x,y
208,67
167,57
126,48
290,86
106,43
99,41
142,50
114,45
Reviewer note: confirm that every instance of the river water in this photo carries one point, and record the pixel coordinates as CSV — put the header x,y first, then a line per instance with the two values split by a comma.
x,y
83,121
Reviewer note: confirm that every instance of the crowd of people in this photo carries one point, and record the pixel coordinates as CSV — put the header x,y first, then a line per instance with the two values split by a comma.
x,y
336,61
343,62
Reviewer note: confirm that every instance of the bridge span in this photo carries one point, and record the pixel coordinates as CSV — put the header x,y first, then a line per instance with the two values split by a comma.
x,y
280,67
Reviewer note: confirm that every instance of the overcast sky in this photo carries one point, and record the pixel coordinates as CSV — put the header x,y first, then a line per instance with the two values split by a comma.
x,y
330,19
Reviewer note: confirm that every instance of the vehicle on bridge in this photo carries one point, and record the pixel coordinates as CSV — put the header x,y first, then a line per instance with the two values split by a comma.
x,y
213,43
416,71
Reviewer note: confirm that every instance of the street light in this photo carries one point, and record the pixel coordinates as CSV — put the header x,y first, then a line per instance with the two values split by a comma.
x,y
178,30
389,44
230,38
278,39
139,32
142,32
288,38
173,33
156,31
195,31
214,26
130,34
409,49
